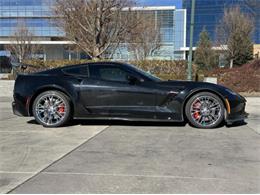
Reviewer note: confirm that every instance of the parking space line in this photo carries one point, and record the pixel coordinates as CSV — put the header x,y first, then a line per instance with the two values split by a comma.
x,y
34,131
127,175
254,130
149,176
16,172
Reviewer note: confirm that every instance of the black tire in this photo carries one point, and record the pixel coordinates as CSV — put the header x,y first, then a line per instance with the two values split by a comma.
x,y
194,122
67,114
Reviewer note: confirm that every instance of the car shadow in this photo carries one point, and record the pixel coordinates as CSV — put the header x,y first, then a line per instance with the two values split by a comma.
x,y
237,124
89,122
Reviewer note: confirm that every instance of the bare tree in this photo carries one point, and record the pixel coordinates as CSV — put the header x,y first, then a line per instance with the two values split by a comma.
x,y
22,47
234,36
94,25
146,38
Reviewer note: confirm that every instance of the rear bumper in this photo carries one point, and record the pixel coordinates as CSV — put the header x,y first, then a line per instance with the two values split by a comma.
x,y
19,109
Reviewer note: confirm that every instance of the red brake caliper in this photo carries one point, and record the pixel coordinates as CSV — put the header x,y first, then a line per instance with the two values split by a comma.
x,y
61,108
196,114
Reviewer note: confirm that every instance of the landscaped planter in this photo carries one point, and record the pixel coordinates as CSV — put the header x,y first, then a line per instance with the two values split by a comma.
x,y
211,80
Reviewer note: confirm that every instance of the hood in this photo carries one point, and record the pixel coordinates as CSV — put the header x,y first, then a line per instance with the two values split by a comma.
x,y
189,84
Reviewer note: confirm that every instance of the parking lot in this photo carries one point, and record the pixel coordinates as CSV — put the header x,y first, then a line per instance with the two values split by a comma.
x,y
124,157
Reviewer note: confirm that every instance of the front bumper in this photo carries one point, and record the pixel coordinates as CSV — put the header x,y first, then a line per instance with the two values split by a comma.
x,y
241,117
237,111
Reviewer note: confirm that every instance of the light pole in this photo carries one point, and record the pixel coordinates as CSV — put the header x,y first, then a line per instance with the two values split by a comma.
x,y
191,40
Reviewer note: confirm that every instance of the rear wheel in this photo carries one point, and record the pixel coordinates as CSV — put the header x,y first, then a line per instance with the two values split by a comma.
x,y
205,110
52,109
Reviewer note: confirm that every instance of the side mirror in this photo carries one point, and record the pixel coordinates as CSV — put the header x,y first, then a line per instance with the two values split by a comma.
x,y
132,80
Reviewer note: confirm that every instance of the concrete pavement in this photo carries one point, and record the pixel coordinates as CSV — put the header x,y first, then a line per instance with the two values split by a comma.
x,y
6,88
157,159
253,108
26,148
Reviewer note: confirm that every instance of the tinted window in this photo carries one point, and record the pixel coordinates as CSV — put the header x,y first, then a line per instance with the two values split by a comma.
x,y
108,73
147,75
82,70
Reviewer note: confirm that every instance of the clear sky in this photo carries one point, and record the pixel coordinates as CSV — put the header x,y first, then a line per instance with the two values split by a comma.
x,y
177,3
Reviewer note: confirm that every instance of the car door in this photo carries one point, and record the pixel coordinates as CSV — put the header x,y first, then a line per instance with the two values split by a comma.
x,y
108,92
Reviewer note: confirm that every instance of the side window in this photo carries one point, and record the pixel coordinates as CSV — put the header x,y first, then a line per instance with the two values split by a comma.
x,y
109,73
81,71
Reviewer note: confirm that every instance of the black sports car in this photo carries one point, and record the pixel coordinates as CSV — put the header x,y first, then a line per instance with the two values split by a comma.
x,y
110,90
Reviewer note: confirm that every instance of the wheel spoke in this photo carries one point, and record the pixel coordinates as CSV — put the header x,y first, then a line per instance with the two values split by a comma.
x,y
58,102
58,116
194,109
49,121
212,118
40,110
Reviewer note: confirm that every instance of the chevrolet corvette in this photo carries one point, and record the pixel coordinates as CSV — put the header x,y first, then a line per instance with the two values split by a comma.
x,y
112,90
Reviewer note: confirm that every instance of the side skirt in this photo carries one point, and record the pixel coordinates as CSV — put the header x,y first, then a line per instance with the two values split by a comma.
x,y
127,119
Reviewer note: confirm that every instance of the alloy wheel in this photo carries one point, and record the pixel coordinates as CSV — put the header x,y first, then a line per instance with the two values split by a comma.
x,y
51,109
205,111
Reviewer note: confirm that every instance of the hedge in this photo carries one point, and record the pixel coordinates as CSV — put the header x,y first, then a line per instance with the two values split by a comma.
x,y
175,70
240,79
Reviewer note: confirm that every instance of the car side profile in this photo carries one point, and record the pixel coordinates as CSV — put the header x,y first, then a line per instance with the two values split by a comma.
x,y
111,90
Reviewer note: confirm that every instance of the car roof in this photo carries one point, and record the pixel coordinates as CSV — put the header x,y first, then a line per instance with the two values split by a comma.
x,y
58,69
94,63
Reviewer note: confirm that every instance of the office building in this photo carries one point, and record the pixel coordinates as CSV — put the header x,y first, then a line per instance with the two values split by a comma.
x,y
208,13
37,16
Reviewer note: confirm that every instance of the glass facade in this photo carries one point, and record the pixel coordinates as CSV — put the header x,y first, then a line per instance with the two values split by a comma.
x,y
166,20
35,14
172,28
208,13
180,33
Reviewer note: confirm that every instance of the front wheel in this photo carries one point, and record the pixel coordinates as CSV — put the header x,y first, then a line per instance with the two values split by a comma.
x,y
205,110
52,109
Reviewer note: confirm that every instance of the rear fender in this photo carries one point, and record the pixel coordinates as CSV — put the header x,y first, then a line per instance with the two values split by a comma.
x,y
69,91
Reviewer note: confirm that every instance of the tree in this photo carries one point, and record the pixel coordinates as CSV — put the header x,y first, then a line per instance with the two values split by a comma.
x,y
204,56
22,47
234,34
146,38
96,26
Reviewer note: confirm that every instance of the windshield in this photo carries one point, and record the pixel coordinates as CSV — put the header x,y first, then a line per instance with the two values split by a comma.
x,y
146,74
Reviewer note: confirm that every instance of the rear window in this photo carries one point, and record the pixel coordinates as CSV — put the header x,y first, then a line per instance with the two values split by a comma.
x,y
79,70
